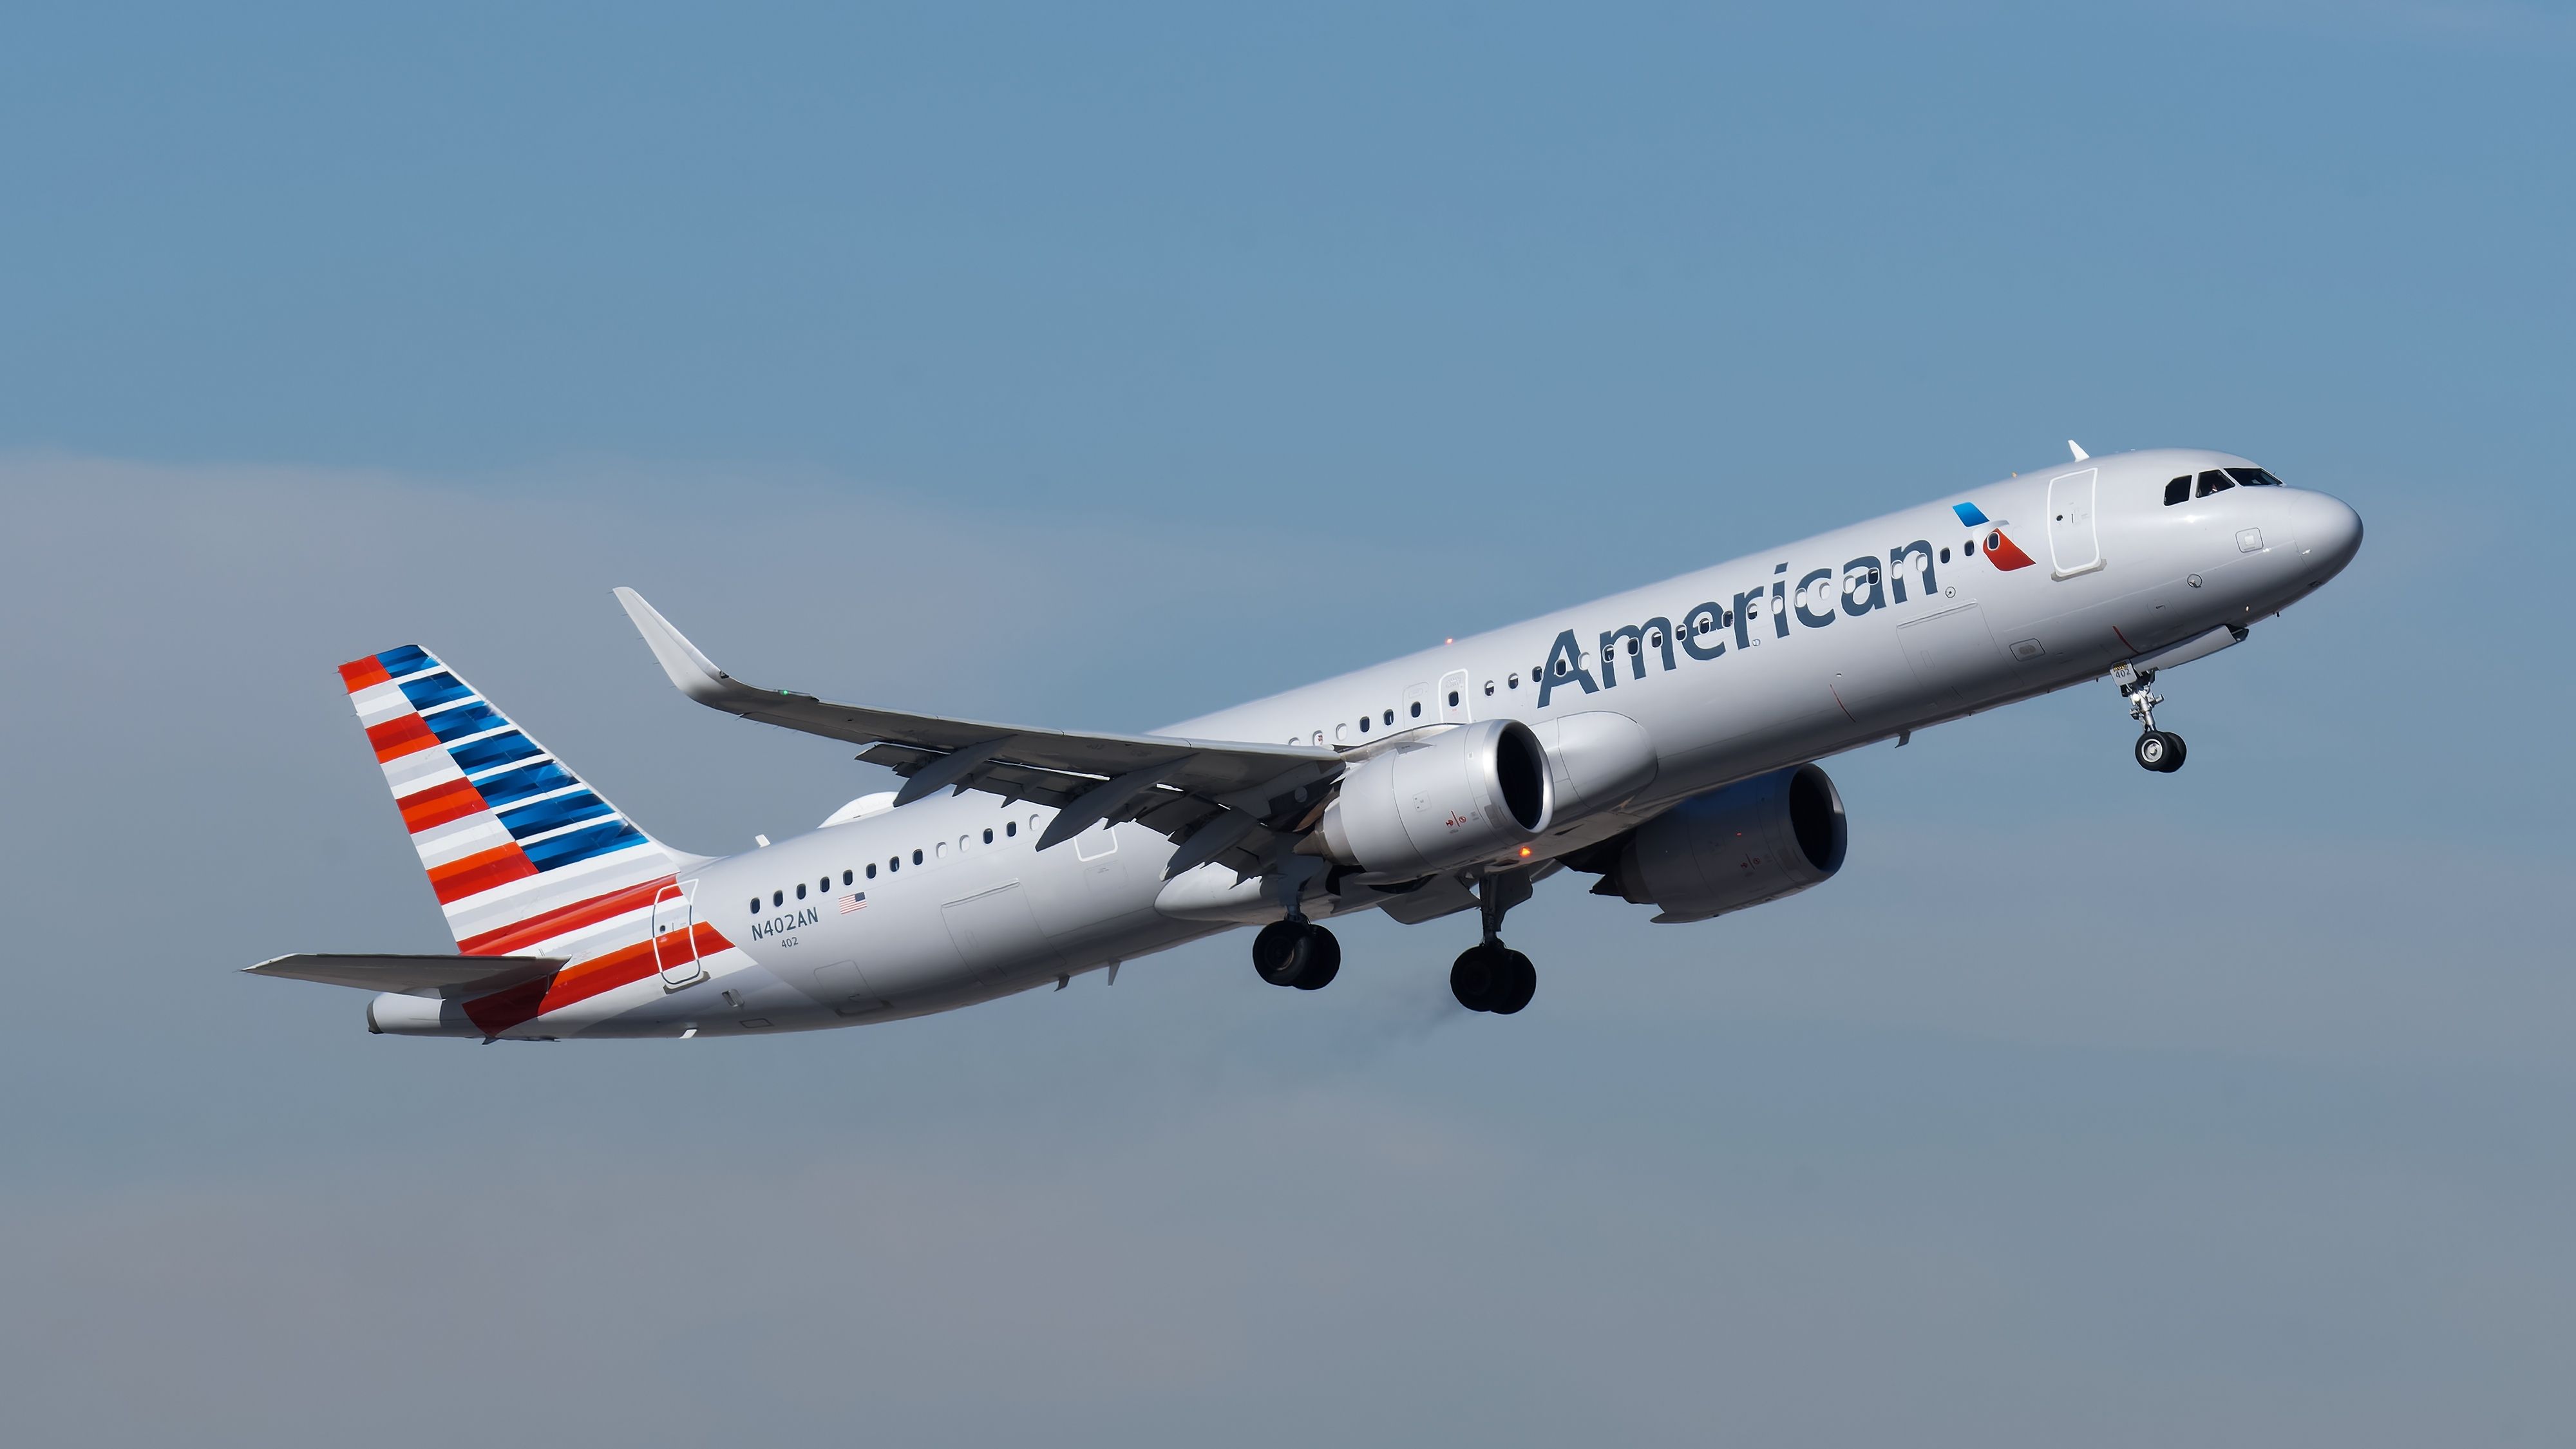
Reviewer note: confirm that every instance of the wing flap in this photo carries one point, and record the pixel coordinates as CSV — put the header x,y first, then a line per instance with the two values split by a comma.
x,y
446,978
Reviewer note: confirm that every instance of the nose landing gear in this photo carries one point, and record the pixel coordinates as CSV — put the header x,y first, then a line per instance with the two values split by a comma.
x,y
1490,976
2159,750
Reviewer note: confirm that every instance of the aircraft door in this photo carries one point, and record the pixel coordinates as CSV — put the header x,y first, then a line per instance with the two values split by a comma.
x,y
675,936
2074,545
1419,709
1453,698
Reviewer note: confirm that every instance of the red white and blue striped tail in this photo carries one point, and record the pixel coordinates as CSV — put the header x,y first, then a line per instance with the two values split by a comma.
x,y
523,856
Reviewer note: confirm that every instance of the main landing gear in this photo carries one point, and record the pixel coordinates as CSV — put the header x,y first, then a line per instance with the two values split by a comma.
x,y
1297,952
2159,750
1294,951
1490,976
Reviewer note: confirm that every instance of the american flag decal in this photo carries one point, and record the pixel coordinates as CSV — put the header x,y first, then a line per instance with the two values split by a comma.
x,y
855,902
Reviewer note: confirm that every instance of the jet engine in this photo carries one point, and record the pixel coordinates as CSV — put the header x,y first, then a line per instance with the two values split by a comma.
x,y
1736,846
1464,794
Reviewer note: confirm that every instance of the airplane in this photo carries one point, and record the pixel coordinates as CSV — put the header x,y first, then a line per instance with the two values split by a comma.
x,y
1661,740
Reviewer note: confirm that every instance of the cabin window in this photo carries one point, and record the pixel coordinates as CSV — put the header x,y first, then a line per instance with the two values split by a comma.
x,y
1011,828
1453,696
872,870
848,879
1417,707
988,835
1364,724
1390,716
778,898
916,857
1516,679
800,890
823,886
755,905
1945,553
2178,491
894,864
2214,481
1489,689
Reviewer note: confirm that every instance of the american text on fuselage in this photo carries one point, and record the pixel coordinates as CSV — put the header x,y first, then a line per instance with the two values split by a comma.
x,y
1662,740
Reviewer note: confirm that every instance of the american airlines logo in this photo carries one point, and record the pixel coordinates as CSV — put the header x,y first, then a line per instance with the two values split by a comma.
x,y
1820,596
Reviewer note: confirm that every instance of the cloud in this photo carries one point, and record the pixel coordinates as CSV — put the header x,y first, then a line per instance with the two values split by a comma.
x,y
2189,1095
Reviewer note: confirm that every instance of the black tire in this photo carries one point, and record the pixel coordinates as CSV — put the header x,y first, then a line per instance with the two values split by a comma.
x,y
1518,983
2153,750
1474,975
1322,953
1274,952
2180,754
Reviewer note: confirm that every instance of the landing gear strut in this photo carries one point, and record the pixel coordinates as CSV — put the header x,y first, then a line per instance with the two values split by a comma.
x,y
2159,750
1490,976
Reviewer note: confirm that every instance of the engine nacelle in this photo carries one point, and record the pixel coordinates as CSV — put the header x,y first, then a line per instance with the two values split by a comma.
x,y
1464,794
1736,846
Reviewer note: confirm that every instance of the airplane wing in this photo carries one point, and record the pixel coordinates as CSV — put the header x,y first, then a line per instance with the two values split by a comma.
x,y
445,977
1224,799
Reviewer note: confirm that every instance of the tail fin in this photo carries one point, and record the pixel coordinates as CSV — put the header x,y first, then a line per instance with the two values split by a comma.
x,y
519,851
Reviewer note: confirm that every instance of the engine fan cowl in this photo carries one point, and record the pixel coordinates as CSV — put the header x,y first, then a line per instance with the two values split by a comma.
x,y
1466,794
1736,846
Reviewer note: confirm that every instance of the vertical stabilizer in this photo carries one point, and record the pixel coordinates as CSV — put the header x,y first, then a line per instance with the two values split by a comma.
x,y
521,854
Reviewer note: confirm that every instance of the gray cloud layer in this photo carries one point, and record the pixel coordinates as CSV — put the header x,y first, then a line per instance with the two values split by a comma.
x,y
2088,1106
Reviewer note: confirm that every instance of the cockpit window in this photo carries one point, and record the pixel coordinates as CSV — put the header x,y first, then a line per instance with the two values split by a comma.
x,y
2215,481
2253,478
2178,491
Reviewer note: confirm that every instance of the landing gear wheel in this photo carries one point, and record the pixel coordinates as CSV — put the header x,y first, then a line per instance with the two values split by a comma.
x,y
1296,953
2180,753
1322,956
1514,985
1274,952
2159,751
1475,974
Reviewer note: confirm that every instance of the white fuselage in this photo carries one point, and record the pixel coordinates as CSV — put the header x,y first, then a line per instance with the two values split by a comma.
x,y
1689,684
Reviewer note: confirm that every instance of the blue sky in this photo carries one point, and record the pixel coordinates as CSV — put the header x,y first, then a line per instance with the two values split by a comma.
x,y
880,346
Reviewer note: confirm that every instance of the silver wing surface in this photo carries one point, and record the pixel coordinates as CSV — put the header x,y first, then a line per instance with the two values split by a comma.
x,y
446,977
1226,800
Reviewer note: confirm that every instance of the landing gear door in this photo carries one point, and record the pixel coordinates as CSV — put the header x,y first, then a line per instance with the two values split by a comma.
x,y
2074,545
675,936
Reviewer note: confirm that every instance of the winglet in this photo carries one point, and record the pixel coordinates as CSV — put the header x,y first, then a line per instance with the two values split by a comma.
x,y
2080,455
695,674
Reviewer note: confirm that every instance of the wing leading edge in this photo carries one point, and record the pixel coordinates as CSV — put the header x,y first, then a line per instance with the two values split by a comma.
x,y
1224,800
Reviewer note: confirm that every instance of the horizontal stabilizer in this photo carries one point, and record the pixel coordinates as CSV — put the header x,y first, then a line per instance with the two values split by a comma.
x,y
447,978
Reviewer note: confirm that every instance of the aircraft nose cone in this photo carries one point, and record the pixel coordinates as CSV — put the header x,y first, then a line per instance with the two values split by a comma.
x,y
2329,531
